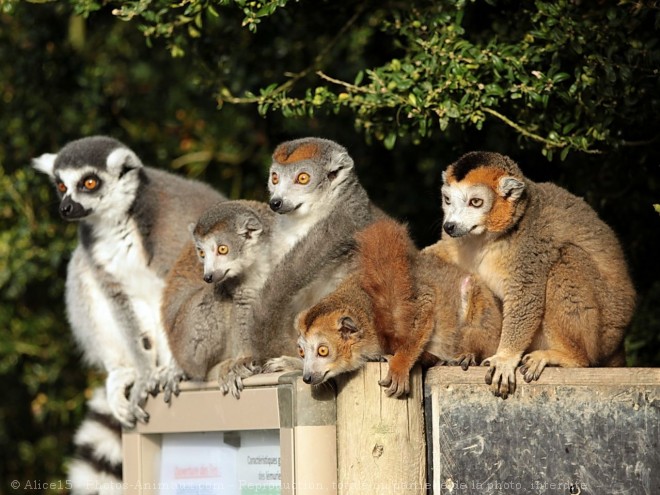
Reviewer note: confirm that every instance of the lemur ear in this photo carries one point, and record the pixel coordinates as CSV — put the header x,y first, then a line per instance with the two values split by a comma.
x,y
249,227
45,163
122,160
340,163
191,228
444,176
300,321
348,328
511,188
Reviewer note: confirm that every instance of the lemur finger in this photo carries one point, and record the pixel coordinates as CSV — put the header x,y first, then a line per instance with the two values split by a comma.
x,y
489,374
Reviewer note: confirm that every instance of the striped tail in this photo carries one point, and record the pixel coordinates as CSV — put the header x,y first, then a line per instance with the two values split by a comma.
x,y
97,464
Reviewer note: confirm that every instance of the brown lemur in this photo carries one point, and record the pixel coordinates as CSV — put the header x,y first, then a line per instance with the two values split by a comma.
x,y
320,204
557,268
402,303
211,289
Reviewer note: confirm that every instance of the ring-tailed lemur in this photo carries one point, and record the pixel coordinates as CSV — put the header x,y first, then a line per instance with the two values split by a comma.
x,y
211,289
132,222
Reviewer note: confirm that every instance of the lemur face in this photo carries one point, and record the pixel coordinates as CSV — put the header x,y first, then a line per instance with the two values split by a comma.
x,y
95,177
229,248
329,346
466,208
478,197
302,173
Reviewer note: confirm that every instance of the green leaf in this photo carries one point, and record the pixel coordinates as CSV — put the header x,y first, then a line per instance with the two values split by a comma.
x,y
390,140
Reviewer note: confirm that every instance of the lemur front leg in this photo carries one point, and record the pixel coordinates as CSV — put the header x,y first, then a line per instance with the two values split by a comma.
x,y
233,371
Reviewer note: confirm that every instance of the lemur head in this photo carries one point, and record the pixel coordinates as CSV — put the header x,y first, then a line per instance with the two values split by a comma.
x,y
330,342
482,192
94,176
306,171
229,239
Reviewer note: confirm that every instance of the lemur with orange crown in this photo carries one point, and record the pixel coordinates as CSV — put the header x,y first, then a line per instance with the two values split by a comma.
x,y
410,306
558,269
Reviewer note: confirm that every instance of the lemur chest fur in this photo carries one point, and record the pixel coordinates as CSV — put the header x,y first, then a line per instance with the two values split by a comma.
x,y
119,250
486,259
291,228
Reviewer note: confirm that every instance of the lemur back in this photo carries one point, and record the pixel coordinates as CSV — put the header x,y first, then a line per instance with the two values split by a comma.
x,y
211,289
130,221
398,302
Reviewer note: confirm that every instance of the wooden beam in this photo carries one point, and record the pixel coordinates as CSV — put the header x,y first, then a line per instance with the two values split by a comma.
x,y
380,440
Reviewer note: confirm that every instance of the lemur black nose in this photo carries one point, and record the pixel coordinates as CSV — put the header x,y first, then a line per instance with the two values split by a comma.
x,y
307,379
275,204
208,278
449,227
65,210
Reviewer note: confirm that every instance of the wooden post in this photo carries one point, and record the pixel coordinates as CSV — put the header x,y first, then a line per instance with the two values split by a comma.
x,y
380,440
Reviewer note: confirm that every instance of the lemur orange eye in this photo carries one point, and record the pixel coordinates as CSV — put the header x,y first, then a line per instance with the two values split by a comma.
x,y
476,202
303,178
223,249
323,350
301,352
61,187
274,178
201,253
91,183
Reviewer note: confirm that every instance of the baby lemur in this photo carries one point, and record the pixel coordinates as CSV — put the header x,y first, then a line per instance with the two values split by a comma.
x,y
320,205
398,302
211,289
557,268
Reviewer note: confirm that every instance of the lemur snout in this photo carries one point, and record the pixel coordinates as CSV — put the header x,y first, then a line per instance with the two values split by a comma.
x,y
208,278
449,227
70,210
275,204
307,378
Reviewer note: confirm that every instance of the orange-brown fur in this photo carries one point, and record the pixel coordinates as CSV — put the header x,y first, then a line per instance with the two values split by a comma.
x,y
502,211
557,268
403,303
284,155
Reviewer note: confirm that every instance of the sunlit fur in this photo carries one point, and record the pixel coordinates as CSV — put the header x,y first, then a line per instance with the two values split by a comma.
x,y
131,228
207,303
557,268
313,234
402,304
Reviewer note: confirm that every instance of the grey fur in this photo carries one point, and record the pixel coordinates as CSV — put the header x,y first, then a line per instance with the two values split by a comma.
x,y
209,322
130,231
323,253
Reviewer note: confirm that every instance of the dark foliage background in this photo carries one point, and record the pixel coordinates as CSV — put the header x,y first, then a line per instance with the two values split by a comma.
x,y
571,90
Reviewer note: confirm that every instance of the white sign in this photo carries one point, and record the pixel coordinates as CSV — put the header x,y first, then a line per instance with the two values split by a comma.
x,y
217,463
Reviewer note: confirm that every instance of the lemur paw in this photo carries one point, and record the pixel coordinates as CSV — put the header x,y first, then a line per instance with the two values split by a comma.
x,y
397,381
283,363
397,385
533,365
464,361
167,378
501,374
232,372
124,398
